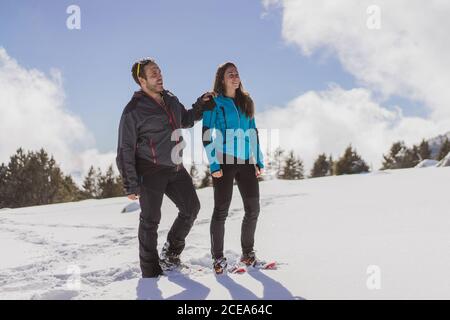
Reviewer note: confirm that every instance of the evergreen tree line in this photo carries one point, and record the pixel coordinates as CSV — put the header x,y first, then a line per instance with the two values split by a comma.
x,y
33,178
400,156
288,166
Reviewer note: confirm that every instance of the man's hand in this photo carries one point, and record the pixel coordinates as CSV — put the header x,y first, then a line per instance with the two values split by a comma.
x,y
258,171
206,101
217,174
208,95
133,196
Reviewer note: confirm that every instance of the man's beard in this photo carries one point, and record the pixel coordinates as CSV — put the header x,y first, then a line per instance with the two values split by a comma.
x,y
155,89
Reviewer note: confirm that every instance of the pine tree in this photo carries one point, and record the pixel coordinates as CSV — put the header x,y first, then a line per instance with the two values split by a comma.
x,y
35,179
90,185
68,191
322,166
45,174
269,168
3,185
299,170
392,160
445,149
350,163
109,184
207,180
411,157
273,162
293,168
16,182
400,156
278,159
193,171
52,185
424,150
332,165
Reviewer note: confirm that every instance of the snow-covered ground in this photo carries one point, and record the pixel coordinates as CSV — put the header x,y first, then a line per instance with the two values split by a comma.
x,y
331,237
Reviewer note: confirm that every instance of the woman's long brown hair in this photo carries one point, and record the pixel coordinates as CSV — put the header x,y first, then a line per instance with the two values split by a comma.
x,y
243,100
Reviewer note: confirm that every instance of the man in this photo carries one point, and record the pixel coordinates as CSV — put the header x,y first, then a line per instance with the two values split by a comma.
x,y
146,158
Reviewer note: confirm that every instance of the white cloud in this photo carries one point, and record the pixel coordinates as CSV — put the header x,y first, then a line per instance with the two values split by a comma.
x,y
33,116
407,56
328,121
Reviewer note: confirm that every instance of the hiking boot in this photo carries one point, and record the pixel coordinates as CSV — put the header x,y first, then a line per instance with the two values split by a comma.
x,y
153,272
249,259
169,259
220,265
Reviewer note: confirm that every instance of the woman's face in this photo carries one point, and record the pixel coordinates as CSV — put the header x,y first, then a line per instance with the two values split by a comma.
x,y
231,79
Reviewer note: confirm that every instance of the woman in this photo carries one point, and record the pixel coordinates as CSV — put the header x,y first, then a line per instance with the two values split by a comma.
x,y
233,154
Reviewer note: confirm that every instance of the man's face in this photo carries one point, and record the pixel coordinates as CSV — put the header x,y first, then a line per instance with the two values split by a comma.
x,y
154,81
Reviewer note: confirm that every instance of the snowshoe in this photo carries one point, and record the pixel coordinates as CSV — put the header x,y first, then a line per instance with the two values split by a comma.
x,y
220,265
250,260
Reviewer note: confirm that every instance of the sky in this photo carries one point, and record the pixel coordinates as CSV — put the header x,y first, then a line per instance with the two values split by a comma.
x,y
316,71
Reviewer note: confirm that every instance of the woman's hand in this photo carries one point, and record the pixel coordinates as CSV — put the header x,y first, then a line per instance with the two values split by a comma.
x,y
258,171
217,174
133,196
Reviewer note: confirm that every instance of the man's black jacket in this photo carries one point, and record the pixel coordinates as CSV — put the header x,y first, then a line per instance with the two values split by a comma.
x,y
145,135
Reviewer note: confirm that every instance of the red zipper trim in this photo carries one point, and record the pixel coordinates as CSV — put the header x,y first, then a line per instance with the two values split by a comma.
x,y
176,125
173,123
153,151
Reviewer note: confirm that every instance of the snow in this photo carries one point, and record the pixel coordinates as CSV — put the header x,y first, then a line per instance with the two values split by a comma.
x,y
325,233
444,162
131,207
426,163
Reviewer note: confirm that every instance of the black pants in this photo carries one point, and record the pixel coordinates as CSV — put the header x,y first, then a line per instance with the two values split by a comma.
x,y
178,186
223,192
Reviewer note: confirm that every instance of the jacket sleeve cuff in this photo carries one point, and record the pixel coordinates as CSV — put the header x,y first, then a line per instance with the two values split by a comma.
x,y
213,167
201,105
133,190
